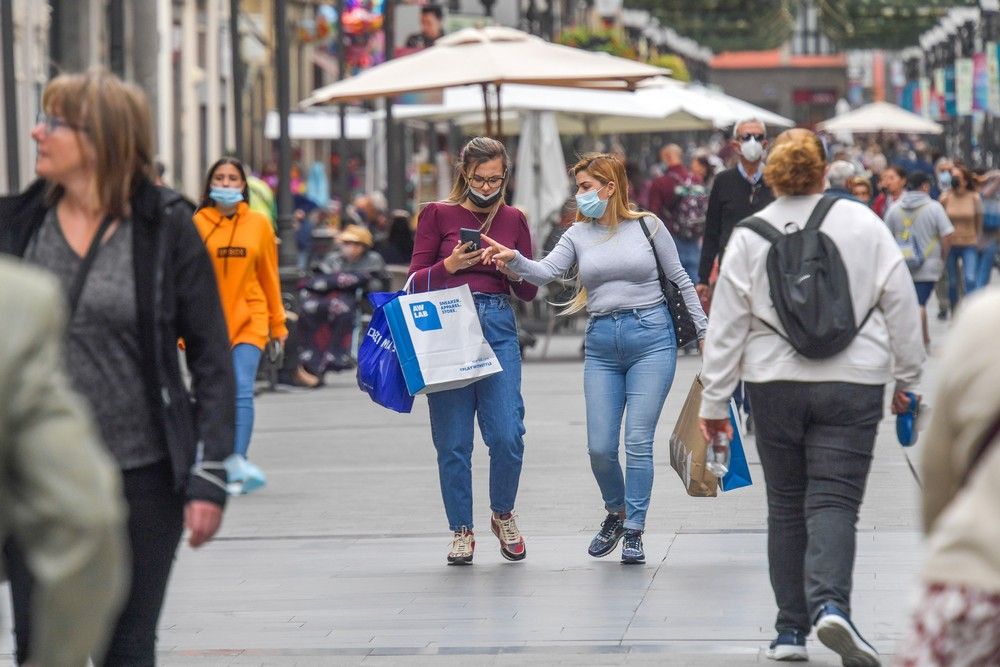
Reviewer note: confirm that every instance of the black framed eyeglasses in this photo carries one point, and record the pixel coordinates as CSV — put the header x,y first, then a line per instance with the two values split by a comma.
x,y
53,123
479,181
749,135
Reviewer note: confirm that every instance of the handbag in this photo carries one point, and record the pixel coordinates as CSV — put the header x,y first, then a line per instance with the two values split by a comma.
x,y
684,327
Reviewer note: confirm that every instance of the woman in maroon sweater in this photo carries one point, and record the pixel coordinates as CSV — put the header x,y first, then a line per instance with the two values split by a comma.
x,y
440,261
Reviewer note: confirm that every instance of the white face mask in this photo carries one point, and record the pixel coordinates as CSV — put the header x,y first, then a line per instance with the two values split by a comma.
x,y
751,150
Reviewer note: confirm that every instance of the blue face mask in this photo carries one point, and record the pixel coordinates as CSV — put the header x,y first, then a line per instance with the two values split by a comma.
x,y
590,205
944,180
226,196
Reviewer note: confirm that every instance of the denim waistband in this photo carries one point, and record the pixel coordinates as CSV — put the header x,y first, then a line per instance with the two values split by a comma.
x,y
625,312
496,300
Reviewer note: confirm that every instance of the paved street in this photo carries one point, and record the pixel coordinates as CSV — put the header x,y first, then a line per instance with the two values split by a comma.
x,y
341,560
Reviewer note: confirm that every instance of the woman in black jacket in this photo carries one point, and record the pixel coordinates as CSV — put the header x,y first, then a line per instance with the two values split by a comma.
x,y
137,279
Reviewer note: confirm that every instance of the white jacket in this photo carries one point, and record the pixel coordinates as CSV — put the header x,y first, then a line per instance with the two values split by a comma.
x,y
740,345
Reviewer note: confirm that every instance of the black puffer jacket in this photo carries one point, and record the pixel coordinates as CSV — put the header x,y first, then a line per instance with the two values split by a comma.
x,y
176,297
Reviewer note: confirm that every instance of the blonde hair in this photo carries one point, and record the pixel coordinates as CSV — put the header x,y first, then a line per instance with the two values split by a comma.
x,y
605,168
796,164
115,117
478,151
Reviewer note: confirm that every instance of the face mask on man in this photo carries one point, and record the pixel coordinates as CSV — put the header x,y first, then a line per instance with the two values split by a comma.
x,y
590,205
751,150
481,200
226,196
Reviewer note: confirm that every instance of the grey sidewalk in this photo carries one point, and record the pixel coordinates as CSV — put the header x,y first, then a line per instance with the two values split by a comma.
x,y
341,559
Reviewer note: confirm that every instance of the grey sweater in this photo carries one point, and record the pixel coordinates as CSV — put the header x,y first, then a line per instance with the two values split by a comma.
x,y
618,269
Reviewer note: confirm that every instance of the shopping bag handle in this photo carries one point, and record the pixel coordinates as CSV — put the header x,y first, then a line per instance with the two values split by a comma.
x,y
409,282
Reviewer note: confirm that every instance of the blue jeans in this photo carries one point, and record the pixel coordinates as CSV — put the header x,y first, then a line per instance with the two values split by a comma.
x,y
969,255
246,358
689,252
631,356
984,266
497,404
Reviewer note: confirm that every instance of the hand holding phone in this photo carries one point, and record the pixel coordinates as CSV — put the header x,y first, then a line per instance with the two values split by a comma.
x,y
472,237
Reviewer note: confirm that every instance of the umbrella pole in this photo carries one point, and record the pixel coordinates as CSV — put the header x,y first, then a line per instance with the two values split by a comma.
x,y
499,115
486,110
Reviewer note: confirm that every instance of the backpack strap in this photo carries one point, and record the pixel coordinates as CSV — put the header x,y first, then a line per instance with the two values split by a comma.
x,y
762,227
819,213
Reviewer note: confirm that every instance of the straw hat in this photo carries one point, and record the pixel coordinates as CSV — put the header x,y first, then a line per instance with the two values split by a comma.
x,y
357,234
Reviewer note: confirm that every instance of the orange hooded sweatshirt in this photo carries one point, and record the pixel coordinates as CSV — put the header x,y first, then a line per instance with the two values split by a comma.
x,y
245,256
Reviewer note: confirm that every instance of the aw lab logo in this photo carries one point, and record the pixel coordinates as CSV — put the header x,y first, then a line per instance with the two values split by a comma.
x,y
425,316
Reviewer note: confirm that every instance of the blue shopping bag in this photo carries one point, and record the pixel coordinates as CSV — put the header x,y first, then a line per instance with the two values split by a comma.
x,y
379,372
739,472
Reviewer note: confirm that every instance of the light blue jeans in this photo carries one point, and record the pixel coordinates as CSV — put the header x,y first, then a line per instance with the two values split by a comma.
x,y
969,256
631,356
246,359
984,266
497,404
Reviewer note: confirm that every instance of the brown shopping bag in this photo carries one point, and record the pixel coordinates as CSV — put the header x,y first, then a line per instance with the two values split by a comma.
x,y
688,448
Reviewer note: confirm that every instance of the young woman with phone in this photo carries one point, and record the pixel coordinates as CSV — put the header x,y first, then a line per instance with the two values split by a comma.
x,y
442,258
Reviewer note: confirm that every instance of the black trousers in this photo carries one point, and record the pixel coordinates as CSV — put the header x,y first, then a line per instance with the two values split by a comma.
x,y
155,525
815,443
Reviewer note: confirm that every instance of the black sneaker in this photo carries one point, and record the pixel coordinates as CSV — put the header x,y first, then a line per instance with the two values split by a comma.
x,y
632,553
788,646
607,537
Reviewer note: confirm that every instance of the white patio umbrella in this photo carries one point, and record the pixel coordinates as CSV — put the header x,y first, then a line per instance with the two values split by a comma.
x,y
713,106
880,117
320,125
488,56
541,182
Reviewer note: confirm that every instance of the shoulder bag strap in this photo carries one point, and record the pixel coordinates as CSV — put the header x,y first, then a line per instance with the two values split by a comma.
x,y
660,275
88,262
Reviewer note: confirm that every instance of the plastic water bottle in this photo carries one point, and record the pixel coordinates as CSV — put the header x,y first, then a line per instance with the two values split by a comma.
x,y
717,455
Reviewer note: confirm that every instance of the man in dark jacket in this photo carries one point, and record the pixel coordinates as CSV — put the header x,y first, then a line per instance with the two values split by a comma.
x,y
737,193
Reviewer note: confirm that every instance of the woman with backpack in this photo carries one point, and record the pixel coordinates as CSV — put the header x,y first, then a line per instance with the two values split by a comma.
x,y
631,345
816,415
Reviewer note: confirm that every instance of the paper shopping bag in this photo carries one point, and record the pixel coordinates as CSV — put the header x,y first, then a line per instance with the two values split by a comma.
x,y
439,340
379,372
688,448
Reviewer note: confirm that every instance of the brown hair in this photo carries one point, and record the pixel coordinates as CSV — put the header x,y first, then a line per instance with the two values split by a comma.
x,y
970,182
114,117
478,151
206,199
796,164
605,168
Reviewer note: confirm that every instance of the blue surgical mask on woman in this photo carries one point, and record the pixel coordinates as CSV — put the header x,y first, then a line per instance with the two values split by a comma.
x,y
590,205
226,196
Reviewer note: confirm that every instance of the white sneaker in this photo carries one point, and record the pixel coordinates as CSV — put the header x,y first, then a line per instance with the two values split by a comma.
x,y
835,630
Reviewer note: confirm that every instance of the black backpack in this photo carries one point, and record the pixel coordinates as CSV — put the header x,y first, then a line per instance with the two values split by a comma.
x,y
809,286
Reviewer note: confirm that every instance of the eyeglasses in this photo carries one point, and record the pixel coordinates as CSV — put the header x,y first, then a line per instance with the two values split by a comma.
x,y
479,181
748,136
53,123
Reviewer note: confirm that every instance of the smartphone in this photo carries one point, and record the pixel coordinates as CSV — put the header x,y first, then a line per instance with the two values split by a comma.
x,y
473,237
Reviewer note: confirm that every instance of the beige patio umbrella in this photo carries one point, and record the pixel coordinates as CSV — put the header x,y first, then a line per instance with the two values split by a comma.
x,y
880,117
488,56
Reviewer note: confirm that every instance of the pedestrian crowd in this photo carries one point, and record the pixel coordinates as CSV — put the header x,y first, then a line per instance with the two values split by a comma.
x,y
140,321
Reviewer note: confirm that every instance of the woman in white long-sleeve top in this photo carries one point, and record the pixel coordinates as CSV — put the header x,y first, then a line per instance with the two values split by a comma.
x,y
631,347
816,418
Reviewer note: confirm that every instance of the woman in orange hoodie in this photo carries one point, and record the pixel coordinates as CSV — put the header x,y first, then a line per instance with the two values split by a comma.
x,y
242,247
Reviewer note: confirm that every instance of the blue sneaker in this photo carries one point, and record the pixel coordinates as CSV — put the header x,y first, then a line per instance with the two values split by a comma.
x,y
835,630
243,476
788,646
632,553
607,537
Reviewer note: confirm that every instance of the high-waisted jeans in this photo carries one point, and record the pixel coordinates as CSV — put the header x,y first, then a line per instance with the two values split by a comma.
x,y
497,404
631,356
